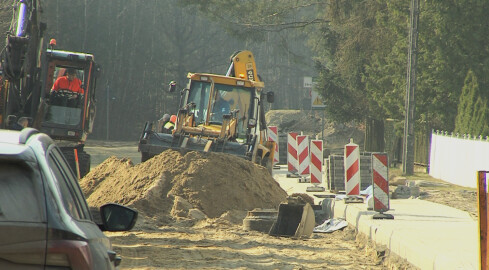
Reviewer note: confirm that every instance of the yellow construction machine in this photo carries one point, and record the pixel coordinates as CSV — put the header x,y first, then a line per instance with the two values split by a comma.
x,y
218,113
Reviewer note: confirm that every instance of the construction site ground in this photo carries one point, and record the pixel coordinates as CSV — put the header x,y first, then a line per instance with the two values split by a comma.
x,y
191,213
166,239
192,206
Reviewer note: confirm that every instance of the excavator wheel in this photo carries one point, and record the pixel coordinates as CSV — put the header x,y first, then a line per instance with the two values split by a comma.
x,y
258,159
145,156
267,163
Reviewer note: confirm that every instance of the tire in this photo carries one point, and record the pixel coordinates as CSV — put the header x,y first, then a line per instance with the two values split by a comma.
x,y
258,224
260,220
83,163
258,159
267,163
145,156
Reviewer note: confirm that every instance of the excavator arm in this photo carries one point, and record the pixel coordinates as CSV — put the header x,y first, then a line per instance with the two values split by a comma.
x,y
243,66
21,63
28,71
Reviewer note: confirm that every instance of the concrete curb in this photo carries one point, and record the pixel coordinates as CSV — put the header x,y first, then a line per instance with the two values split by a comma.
x,y
426,234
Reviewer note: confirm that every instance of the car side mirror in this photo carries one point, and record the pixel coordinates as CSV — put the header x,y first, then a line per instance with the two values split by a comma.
x,y
270,97
117,217
172,86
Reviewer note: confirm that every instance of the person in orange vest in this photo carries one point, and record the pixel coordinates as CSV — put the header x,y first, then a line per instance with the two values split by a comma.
x,y
68,82
67,90
170,125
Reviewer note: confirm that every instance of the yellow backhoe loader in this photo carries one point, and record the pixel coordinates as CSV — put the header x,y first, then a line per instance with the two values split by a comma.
x,y
218,113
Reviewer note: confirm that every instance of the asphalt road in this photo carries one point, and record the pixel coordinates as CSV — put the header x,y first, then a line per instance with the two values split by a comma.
x,y
101,150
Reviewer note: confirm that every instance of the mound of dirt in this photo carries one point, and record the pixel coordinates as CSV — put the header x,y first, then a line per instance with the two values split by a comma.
x,y
212,182
109,167
294,121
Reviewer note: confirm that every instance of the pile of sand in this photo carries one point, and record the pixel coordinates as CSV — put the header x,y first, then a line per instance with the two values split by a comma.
x,y
211,182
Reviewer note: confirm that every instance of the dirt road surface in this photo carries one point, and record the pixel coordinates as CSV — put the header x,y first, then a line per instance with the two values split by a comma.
x,y
214,244
221,243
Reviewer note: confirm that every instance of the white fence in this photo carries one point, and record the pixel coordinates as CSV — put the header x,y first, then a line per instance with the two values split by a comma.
x,y
457,159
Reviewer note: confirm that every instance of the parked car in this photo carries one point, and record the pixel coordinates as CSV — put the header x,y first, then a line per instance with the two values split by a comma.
x,y
45,222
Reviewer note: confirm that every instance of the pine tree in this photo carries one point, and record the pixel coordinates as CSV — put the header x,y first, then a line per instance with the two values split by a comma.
x,y
466,103
478,120
473,115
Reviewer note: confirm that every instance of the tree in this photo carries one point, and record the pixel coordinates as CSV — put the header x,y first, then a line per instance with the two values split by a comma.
x,y
349,41
141,46
473,115
358,50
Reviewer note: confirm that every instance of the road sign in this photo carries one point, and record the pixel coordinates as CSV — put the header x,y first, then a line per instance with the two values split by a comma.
x,y
316,101
307,82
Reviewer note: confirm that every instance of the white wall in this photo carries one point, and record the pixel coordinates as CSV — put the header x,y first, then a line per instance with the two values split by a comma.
x,y
457,160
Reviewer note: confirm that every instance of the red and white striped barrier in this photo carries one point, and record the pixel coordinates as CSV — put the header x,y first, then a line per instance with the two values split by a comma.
x,y
381,182
352,169
292,162
273,136
303,154
316,161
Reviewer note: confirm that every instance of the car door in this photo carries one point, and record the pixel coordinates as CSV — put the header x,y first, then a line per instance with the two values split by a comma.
x,y
81,221
23,222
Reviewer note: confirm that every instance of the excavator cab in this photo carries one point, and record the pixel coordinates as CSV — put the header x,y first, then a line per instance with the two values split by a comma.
x,y
210,98
67,114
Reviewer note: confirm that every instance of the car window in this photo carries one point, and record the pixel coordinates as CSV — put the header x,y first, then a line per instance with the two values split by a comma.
x,y
21,193
72,196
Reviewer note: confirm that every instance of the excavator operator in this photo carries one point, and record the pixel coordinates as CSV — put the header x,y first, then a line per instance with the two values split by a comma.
x,y
67,90
221,107
68,82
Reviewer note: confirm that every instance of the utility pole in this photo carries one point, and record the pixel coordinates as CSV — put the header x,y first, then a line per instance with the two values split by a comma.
x,y
408,141
107,121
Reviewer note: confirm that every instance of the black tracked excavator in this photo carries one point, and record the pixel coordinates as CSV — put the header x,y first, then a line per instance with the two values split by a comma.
x,y
29,68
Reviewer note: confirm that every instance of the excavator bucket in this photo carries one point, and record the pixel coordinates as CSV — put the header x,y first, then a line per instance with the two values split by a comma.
x,y
294,220
153,143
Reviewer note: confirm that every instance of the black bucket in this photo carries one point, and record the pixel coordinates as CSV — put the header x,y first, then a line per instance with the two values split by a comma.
x,y
289,218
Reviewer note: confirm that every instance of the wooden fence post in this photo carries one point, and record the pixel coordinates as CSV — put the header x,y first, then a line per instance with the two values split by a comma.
x,y
482,208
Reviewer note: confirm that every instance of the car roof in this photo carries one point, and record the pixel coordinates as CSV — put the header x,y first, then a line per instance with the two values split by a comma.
x,y
14,142
9,136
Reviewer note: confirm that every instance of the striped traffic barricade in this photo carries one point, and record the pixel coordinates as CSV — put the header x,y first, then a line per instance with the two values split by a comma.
x,y
352,172
380,187
292,162
303,154
273,136
316,166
